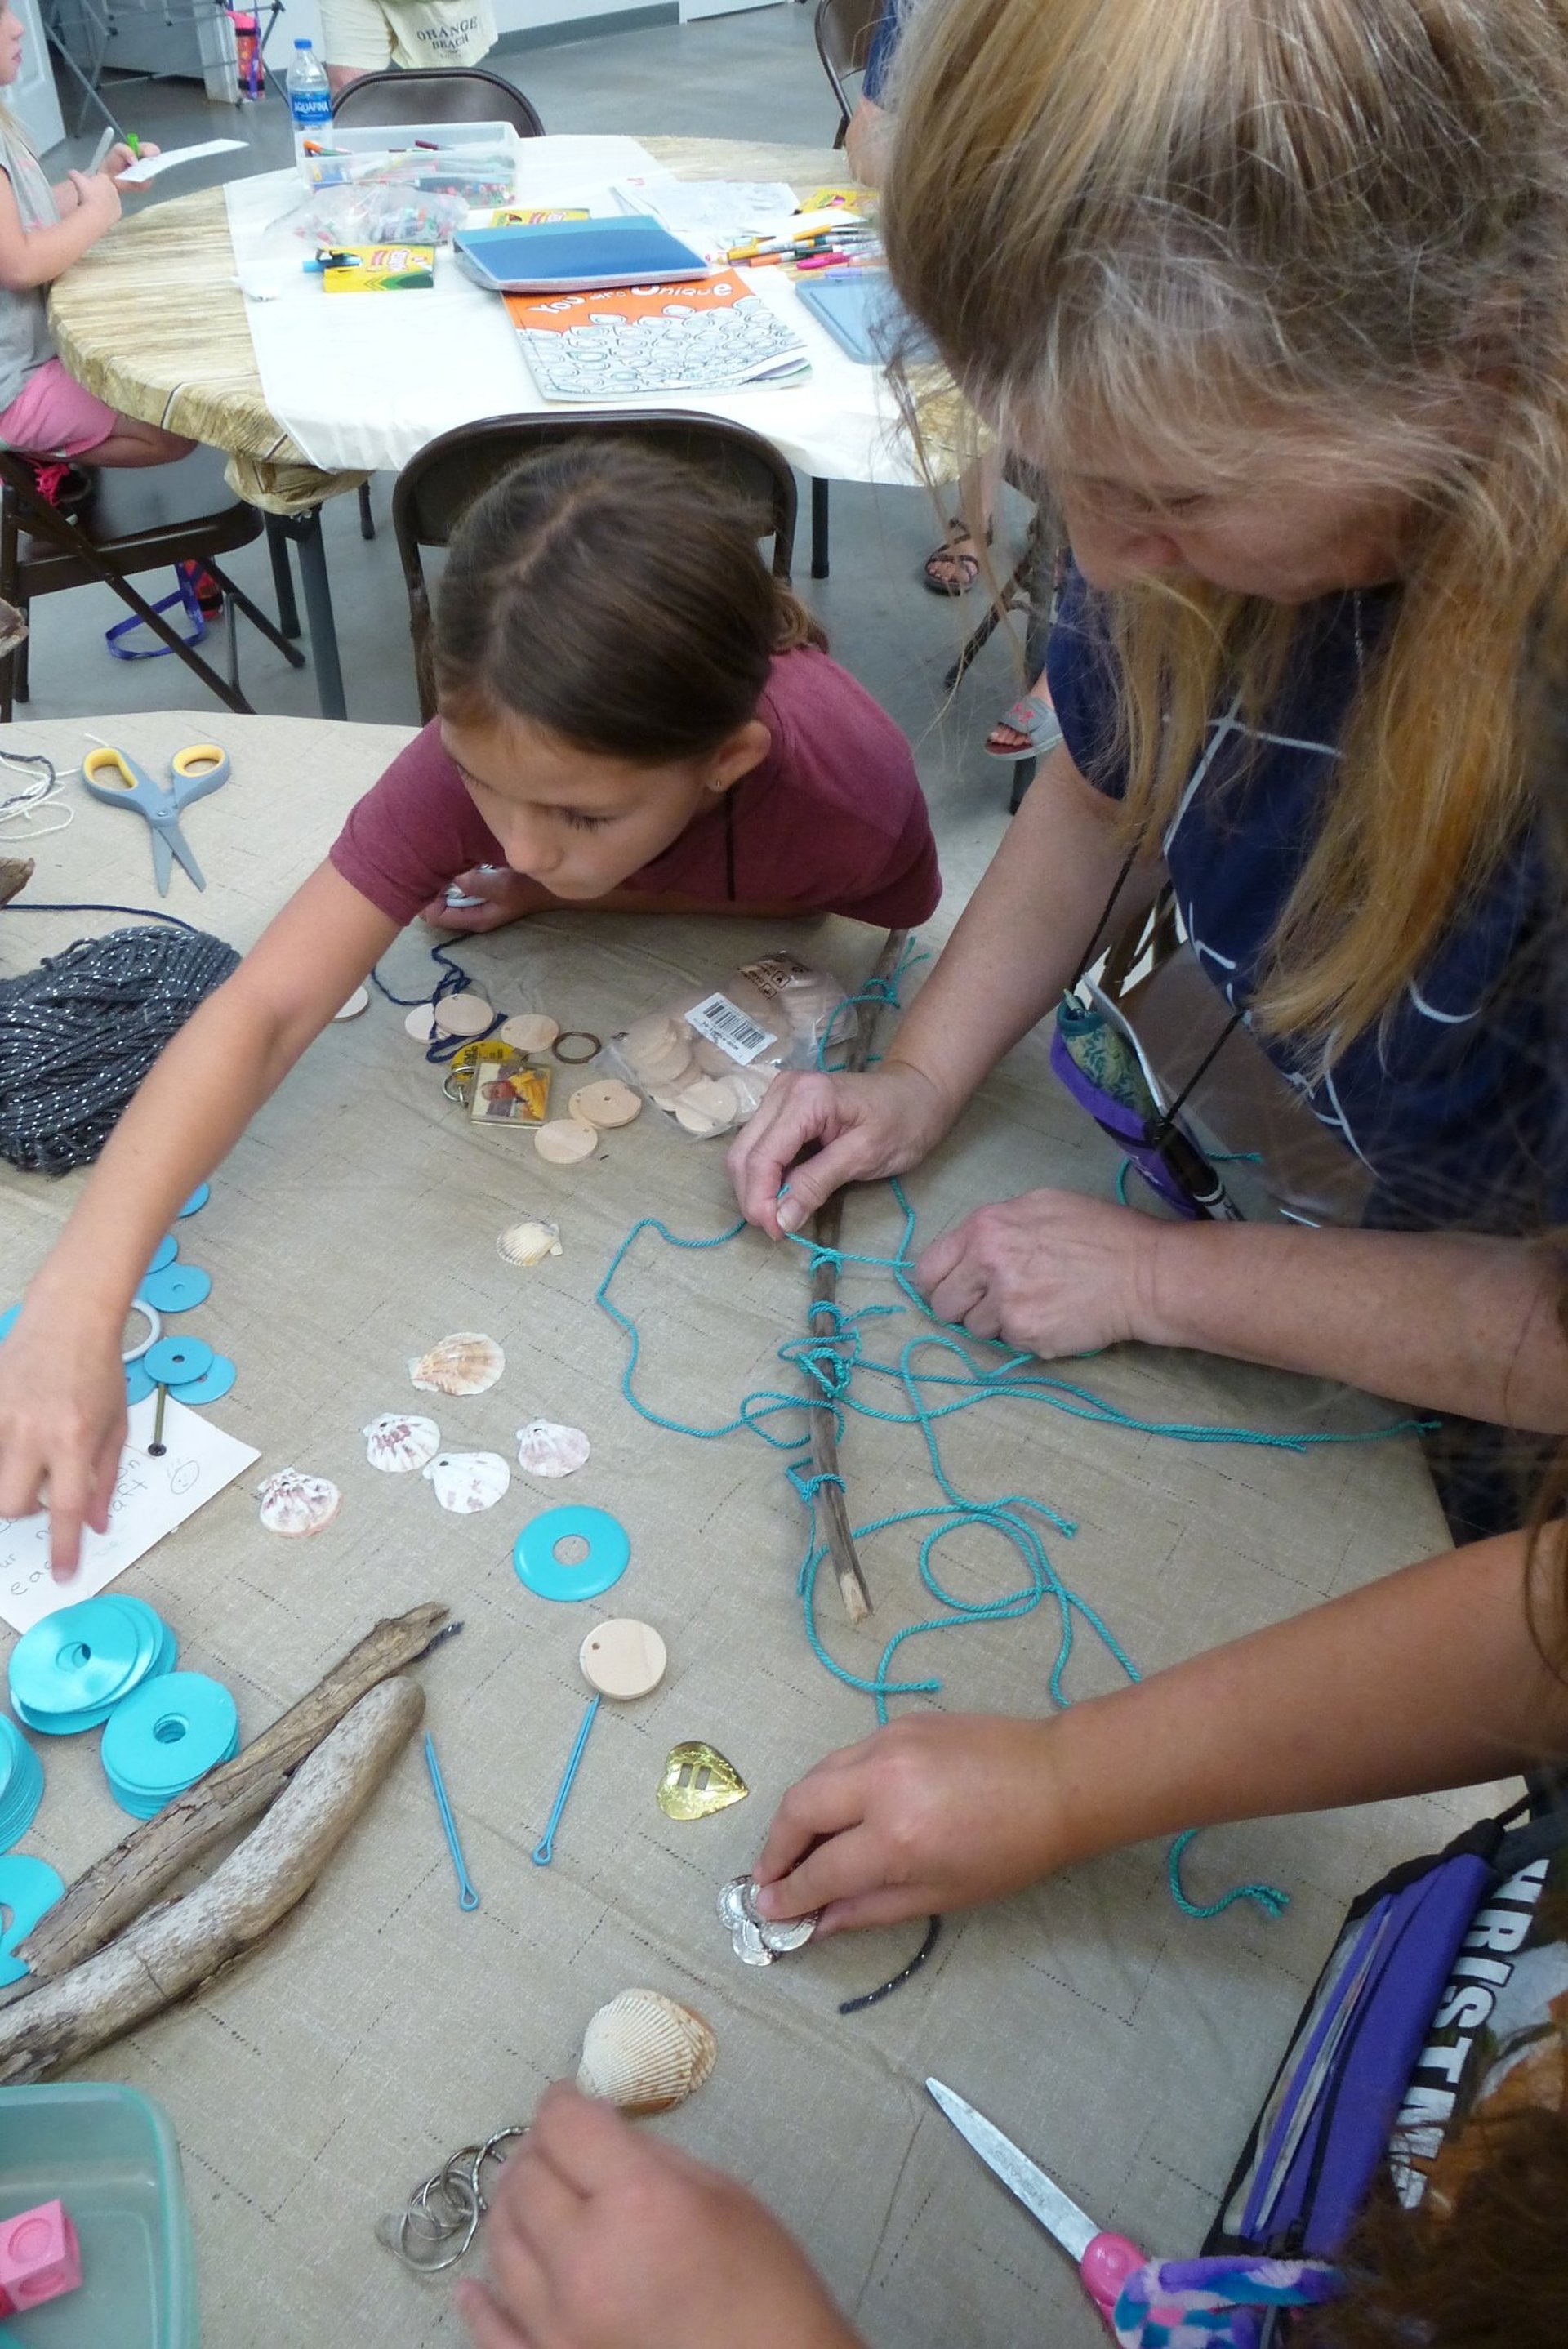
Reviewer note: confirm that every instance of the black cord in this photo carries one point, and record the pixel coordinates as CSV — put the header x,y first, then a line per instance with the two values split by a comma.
x,y
454,980
141,913
874,1997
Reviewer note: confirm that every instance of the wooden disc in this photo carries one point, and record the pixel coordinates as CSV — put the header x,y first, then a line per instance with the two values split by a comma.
x,y
529,1031
461,1014
565,1141
622,1658
608,1104
417,1022
357,1002
708,1106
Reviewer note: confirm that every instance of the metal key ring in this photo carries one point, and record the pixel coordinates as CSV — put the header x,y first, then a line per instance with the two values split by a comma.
x,y
577,1036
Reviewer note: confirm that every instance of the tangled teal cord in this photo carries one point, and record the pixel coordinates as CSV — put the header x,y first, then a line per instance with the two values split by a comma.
x,y
831,1360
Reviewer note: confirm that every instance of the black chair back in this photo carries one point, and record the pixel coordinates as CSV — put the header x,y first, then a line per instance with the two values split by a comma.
x,y
435,94
844,29
435,488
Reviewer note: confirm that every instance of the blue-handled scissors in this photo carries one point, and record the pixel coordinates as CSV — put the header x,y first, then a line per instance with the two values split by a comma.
x,y
114,777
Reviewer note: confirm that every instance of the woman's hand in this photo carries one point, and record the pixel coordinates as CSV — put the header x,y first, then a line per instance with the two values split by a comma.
x,y
866,1126
1052,1272
62,1422
935,1812
602,2237
120,159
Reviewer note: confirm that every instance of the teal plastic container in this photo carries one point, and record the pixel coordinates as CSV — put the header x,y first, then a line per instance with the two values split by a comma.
x,y
110,2156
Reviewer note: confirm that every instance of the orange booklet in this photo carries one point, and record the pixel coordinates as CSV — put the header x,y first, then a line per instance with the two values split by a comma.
x,y
711,334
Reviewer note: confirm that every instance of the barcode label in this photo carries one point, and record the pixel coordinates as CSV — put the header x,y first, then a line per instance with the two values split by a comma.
x,y
733,1031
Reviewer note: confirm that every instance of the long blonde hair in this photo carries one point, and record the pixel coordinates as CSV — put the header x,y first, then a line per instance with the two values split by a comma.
x,y
1189,221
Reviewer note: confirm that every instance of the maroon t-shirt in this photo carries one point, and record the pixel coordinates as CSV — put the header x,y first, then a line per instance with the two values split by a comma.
x,y
833,821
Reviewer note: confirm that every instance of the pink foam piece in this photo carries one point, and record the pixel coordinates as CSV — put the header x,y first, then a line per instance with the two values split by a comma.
x,y
40,2257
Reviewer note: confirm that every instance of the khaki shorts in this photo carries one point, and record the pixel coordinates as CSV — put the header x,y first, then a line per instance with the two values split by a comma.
x,y
373,34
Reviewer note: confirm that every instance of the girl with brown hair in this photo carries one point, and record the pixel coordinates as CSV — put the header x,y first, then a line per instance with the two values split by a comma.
x,y
1274,297
636,717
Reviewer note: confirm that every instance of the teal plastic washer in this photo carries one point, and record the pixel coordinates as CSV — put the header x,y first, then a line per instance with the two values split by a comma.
x,y
166,1251
212,1386
177,1288
609,1552
194,1204
137,1385
174,1361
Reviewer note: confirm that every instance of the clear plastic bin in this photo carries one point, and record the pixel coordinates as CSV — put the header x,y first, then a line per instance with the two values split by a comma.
x,y
110,2156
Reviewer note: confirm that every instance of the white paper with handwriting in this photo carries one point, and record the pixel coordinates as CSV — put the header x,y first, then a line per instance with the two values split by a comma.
x,y
151,1499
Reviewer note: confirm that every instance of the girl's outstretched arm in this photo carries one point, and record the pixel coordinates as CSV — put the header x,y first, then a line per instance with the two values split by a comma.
x,y
1430,1678
62,1392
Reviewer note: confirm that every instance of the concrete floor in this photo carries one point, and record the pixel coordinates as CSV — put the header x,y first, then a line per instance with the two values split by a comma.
x,y
699,80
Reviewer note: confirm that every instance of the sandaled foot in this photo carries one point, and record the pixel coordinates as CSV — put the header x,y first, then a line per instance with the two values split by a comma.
x,y
1027,731
952,568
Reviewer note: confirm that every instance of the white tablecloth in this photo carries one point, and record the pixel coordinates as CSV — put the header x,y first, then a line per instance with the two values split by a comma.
x,y
365,384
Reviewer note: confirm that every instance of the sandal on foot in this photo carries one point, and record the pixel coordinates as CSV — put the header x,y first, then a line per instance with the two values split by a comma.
x,y
969,566
1032,717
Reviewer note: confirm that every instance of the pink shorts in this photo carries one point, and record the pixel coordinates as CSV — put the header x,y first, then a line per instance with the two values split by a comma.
x,y
54,415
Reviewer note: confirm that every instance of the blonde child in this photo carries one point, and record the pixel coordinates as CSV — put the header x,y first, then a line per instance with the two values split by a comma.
x,y
44,412
636,717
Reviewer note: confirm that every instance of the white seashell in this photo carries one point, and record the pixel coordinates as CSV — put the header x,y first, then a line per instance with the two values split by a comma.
x,y
467,1363
531,1241
396,1444
529,1031
294,1503
566,1141
546,1448
465,1482
645,2053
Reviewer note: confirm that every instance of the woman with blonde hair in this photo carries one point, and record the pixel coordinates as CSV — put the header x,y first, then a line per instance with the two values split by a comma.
x,y
1277,297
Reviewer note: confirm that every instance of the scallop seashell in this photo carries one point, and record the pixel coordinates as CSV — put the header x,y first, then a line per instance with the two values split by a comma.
x,y
397,1443
531,1241
294,1503
645,2053
467,1363
465,1482
546,1448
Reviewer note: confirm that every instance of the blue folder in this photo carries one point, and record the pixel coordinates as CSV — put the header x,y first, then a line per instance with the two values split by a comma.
x,y
576,256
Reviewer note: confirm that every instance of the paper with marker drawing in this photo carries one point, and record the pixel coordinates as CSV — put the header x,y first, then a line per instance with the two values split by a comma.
x,y
151,1497
150,166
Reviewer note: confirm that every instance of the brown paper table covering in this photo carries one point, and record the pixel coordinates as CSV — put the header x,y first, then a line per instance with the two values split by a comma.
x,y
153,320
1123,2045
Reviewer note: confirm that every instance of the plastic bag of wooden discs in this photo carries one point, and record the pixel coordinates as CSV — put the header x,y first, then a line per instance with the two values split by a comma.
x,y
708,1056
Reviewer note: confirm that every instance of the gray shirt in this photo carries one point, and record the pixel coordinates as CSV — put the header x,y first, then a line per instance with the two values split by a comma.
x,y
24,339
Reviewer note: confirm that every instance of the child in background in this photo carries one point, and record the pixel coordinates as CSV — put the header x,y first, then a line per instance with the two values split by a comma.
x,y
44,412
636,716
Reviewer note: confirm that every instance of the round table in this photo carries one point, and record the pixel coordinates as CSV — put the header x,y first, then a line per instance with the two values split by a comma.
x,y
190,363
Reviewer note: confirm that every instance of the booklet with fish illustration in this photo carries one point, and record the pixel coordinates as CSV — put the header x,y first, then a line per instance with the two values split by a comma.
x,y
713,335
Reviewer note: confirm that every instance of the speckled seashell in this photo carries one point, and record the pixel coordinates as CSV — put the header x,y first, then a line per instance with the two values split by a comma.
x,y
294,1503
465,1482
397,1443
546,1448
466,1363
645,2053
531,1241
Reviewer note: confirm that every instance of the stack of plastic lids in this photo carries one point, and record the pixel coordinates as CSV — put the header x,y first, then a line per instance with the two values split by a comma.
x,y
171,1732
69,1672
21,1783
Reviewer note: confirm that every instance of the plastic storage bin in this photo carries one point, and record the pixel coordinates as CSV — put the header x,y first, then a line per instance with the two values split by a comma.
x,y
110,2156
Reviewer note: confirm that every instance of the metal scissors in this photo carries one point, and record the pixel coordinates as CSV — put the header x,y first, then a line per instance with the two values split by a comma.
x,y
114,777
1104,2261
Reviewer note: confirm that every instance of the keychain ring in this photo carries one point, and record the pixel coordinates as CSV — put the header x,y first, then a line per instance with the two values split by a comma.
x,y
154,1330
577,1036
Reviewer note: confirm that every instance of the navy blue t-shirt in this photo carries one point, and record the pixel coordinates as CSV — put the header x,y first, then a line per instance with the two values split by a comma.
x,y
1452,1101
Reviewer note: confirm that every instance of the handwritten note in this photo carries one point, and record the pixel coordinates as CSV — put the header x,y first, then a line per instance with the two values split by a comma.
x,y
153,167
151,1497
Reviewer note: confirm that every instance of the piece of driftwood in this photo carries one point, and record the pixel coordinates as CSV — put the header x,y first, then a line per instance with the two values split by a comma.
x,y
118,1886
174,1949
15,871
826,1225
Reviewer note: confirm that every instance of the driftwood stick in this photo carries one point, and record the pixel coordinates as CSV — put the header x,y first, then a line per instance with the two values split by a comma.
x,y
118,1886
174,1949
826,1225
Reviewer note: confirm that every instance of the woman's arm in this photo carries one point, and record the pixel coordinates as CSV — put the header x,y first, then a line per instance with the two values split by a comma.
x,y
1430,1678
62,1395
36,256
1018,942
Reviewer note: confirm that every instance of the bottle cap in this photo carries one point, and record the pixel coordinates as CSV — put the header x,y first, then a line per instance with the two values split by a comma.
x,y
299,45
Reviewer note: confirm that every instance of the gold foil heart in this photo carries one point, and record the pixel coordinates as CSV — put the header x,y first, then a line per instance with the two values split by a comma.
x,y
697,1781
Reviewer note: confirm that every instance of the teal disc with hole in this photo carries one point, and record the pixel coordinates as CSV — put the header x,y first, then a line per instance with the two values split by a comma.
x,y
176,1290
534,1553
212,1386
199,1198
78,1656
168,1248
137,1385
7,1317
173,1360
168,1734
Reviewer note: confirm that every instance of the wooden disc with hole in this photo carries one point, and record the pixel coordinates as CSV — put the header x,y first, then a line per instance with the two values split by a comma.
x,y
566,1141
622,1658
529,1031
608,1104
417,1022
357,1002
461,1014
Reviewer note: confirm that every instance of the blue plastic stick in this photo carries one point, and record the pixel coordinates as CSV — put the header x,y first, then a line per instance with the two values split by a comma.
x,y
544,1849
466,1897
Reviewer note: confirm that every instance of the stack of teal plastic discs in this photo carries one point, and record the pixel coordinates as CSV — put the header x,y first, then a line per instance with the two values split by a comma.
x,y
69,1672
21,1783
171,1732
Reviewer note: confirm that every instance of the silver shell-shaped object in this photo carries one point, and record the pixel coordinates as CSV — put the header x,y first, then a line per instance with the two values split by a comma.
x,y
757,1940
